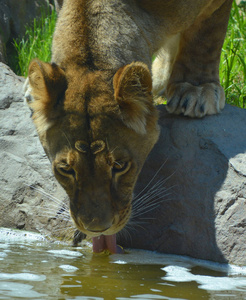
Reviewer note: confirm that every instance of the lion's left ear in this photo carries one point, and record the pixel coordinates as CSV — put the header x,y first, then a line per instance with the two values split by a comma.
x,y
132,90
47,82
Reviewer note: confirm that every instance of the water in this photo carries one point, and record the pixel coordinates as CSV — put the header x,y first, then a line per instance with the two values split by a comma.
x,y
32,268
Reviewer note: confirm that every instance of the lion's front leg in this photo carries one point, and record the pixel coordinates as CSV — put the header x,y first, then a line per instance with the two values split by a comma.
x,y
194,88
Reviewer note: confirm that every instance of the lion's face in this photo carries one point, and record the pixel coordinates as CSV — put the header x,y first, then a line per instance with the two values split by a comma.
x,y
97,138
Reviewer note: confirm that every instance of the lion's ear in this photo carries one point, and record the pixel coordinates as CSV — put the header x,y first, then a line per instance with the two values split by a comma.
x,y
47,83
132,90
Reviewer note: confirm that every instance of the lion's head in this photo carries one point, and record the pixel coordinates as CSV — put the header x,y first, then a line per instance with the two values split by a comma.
x,y
97,131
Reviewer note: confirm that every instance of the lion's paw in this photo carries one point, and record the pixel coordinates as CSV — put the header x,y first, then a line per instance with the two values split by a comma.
x,y
195,101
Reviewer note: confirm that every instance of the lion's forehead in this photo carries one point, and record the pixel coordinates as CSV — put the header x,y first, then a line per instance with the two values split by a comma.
x,y
94,122
89,93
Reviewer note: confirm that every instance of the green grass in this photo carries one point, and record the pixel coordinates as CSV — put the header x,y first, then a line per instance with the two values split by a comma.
x,y
38,38
35,44
233,58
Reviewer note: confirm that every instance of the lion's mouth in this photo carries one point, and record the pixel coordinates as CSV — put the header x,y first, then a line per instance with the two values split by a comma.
x,y
106,242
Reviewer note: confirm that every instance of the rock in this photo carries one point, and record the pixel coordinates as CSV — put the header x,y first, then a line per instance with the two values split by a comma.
x,y
24,164
195,204
14,16
202,213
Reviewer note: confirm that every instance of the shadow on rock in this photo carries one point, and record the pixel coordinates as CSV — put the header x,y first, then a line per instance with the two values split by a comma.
x,y
202,213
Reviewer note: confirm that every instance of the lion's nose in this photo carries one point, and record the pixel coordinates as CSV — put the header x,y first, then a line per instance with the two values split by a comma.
x,y
97,225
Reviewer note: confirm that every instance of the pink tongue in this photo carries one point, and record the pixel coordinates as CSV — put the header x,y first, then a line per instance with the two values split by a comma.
x,y
106,242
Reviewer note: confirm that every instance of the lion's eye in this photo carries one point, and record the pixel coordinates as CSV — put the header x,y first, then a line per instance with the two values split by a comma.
x,y
120,166
65,170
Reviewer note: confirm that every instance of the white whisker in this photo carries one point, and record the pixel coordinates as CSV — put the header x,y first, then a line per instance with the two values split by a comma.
x,y
154,199
153,178
125,233
56,211
149,199
160,182
66,218
112,151
150,195
138,224
54,199
147,209
66,138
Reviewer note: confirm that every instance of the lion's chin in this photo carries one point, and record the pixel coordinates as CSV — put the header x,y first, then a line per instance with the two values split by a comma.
x,y
106,243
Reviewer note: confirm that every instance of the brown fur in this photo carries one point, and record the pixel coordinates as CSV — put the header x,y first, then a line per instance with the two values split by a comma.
x,y
93,105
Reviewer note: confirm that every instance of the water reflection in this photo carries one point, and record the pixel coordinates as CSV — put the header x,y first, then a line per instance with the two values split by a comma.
x,y
40,270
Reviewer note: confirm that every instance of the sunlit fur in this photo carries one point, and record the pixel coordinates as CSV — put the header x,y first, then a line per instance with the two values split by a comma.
x,y
88,110
98,87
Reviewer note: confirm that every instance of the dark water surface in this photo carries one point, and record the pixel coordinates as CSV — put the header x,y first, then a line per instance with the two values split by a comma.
x,y
32,268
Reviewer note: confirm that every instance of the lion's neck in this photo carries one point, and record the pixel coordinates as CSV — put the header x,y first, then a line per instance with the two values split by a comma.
x,y
103,35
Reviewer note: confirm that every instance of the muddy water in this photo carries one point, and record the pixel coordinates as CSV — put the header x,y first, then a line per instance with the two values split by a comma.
x,y
32,268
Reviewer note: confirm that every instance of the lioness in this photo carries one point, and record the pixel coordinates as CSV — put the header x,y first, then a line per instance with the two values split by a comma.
x,y
93,104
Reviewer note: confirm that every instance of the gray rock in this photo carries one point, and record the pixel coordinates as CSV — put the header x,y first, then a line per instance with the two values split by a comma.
x,y
25,172
195,205
202,212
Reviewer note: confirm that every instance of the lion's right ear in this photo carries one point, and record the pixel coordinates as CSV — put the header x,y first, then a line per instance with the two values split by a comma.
x,y
132,90
47,83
